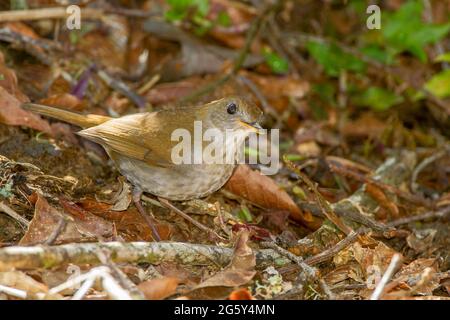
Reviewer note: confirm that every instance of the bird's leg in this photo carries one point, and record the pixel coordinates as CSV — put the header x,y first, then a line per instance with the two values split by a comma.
x,y
170,206
137,193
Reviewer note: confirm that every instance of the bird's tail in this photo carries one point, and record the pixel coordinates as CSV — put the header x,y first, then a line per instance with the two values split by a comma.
x,y
84,121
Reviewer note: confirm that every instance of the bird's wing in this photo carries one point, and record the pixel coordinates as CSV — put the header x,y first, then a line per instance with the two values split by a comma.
x,y
138,136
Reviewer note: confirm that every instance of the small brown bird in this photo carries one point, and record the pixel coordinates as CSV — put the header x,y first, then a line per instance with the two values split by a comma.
x,y
141,145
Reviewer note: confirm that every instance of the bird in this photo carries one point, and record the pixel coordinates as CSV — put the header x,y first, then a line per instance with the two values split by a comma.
x,y
141,145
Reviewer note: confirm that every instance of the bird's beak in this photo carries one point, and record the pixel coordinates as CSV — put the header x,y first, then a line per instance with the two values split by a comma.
x,y
254,126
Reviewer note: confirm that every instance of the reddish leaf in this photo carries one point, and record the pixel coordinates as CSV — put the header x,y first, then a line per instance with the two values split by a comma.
x,y
241,294
48,219
158,289
262,190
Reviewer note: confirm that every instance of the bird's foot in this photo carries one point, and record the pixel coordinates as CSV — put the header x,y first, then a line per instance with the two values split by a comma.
x,y
137,193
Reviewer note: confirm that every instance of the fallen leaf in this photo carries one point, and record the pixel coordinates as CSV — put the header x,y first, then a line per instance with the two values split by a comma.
x,y
240,270
241,294
130,224
378,195
262,190
158,289
47,220
421,240
21,281
11,113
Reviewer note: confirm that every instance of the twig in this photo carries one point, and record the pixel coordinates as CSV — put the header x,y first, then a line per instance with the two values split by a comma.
x,y
56,232
121,87
416,199
349,215
13,292
60,13
425,162
326,289
393,266
331,252
327,210
10,212
113,289
202,227
17,257
132,289
309,271
427,215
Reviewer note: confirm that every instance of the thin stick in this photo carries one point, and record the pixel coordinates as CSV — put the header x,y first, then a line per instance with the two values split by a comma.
x,y
425,162
309,271
331,252
427,215
170,206
56,232
61,13
339,169
393,266
10,212
323,204
13,292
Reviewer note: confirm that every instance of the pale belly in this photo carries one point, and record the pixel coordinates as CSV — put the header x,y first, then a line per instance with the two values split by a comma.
x,y
180,182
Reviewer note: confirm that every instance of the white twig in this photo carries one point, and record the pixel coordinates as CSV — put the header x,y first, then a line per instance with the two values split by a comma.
x,y
10,212
13,292
395,262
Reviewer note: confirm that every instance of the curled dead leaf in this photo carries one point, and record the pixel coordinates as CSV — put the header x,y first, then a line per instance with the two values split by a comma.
x,y
262,190
241,269
47,221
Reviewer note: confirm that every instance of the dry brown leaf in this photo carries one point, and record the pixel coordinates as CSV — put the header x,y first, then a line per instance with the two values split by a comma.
x,y
241,269
262,190
378,195
158,289
47,220
130,224
21,281
11,113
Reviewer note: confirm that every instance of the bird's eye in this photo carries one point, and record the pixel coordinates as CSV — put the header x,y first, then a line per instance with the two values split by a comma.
x,y
231,108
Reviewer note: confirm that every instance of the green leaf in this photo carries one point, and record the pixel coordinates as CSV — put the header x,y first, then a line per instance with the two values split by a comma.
x,y
174,15
378,99
439,84
445,57
377,53
223,19
245,215
2,76
276,63
180,7
333,59
404,30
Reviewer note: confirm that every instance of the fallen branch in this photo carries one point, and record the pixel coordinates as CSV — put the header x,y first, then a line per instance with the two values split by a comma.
x,y
46,257
61,13
393,171
331,252
427,215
